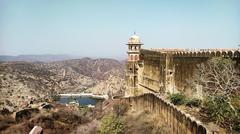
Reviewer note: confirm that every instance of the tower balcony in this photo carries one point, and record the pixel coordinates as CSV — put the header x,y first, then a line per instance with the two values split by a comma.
x,y
133,51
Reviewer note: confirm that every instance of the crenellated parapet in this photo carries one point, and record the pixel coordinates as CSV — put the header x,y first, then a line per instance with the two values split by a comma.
x,y
232,53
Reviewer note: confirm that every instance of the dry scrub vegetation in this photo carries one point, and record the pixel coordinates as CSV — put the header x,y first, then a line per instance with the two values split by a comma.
x,y
123,119
60,119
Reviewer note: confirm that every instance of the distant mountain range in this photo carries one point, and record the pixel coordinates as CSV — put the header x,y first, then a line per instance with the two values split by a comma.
x,y
33,58
45,58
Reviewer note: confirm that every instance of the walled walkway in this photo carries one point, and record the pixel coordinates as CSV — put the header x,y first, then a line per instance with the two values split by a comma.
x,y
178,121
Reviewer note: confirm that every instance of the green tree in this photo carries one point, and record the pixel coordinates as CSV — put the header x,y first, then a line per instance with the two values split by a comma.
x,y
177,98
111,124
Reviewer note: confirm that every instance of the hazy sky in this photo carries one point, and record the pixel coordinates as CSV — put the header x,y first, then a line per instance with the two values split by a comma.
x,y
101,28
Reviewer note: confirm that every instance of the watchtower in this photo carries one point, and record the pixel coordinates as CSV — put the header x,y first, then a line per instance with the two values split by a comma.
x,y
134,46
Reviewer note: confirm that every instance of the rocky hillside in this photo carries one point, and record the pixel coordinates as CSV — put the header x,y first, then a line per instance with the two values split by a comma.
x,y
23,82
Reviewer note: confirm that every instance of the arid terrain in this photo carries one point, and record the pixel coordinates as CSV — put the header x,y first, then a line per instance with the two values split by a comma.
x,y
27,91
22,83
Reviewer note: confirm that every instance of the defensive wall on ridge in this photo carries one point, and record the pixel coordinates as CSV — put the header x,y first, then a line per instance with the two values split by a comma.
x,y
178,121
150,72
167,70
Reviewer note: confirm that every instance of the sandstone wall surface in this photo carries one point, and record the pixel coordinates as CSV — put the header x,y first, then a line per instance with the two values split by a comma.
x,y
178,121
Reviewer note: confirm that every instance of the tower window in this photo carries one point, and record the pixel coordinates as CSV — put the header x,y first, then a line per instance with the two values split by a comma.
x,y
136,57
131,57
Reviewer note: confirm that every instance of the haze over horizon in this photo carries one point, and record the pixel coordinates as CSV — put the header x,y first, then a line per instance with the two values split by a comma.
x,y
102,28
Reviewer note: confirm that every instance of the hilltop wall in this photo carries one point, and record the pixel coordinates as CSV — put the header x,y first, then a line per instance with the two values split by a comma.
x,y
178,121
165,71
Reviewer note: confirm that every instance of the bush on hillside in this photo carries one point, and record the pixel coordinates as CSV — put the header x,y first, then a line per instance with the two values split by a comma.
x,y
223,113
111,124
120,108
177,98
193,102
55,97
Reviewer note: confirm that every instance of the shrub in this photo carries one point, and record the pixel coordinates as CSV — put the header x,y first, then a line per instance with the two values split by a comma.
x,y
177,98
111,124
84,110
219,109
120,108
5,122
5,111
193,102
55,97
236,127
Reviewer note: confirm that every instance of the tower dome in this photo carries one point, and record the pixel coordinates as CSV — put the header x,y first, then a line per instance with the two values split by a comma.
x,y
134,39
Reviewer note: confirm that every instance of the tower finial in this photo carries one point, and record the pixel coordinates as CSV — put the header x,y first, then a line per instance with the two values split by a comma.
x,y
134,32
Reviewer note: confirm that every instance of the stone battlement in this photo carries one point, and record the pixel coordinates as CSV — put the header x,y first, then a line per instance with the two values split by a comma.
x,y
196,52
193,49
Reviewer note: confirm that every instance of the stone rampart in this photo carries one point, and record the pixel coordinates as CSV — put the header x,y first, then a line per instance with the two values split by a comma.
x,y
168,70
178,121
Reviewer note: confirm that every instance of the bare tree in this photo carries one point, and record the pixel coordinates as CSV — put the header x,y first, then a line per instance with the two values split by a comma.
x,y
217,77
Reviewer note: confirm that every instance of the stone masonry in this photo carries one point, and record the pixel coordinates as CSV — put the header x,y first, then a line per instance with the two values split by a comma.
x,y
166,70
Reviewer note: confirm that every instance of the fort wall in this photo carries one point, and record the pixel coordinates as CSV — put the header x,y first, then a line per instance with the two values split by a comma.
x,y
178,121
167,71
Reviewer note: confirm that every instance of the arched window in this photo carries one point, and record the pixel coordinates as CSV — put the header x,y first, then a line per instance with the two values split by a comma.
x,y
131,57
136,57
